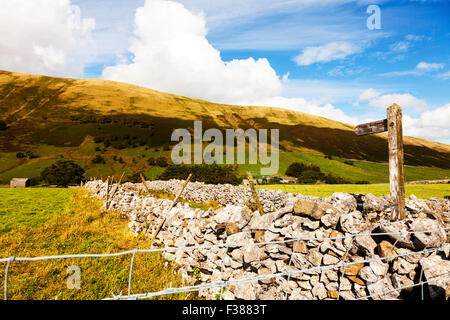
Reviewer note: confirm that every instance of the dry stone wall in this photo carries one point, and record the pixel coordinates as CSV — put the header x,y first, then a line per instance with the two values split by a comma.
x,y
329,228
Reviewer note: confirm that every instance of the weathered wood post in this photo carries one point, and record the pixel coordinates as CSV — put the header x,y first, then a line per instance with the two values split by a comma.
x,y
396,154
393,125
255,194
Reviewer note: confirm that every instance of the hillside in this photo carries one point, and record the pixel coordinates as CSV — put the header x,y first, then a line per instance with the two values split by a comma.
x,y
72,118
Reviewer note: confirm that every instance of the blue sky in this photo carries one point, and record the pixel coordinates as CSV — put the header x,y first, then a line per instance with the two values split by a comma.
x,y
313,56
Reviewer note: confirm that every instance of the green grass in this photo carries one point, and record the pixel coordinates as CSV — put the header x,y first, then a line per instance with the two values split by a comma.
x,y
27,170
326,190
69,222
29,208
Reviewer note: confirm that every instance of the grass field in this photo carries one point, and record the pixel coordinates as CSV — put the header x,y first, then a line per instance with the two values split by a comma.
x,y
39,222
323,190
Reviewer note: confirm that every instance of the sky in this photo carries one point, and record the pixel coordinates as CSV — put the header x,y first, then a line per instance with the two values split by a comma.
x,y
346,60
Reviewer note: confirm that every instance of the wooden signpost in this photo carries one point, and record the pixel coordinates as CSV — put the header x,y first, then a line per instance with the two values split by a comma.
x,y
393,125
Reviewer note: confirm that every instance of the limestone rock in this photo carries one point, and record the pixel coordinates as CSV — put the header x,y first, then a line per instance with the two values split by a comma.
x,y
366,244
238,214
398,232
401,266
231,228
240,238
313,209
315,257
385,249
319,291
330,260
436,270
428,239
345,202
300,294
367,274
372,203
353,222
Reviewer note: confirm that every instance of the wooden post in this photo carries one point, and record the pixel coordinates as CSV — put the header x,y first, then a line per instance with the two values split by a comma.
x,y
396,171
115,190
255,194
107,193
158,229
145,184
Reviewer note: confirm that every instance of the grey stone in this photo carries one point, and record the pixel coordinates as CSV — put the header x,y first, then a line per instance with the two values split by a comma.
x,y
315,257
300,294
328,260
428,239
366,244
401,266
319,291
399,233
240,215
353,222
240,238
367,274
436,271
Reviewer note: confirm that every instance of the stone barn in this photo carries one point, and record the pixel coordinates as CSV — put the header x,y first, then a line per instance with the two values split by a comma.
x,y
19,183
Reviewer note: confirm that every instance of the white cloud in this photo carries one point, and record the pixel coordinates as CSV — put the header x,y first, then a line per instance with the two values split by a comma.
x,y
172,54
445,75
328,52
421,69
302,105
369,94
429,66
42,36
433,125
405,100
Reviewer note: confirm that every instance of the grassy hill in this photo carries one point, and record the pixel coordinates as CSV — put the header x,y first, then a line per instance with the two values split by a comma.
x,y
78,119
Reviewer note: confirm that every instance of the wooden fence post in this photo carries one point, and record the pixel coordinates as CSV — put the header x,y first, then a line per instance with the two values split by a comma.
x,y
255,194
396,154
166,213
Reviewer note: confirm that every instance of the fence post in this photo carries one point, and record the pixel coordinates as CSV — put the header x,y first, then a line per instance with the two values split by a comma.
x,y
396,170
170,208
10,260
255,194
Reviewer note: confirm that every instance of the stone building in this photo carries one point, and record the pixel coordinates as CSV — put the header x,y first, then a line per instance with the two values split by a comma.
x,y
19,183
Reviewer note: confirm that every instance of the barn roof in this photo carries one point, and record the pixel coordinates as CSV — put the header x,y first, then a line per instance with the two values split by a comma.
x,y
19,179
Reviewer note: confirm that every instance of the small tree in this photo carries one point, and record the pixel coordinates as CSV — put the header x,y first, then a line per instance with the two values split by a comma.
x,y
98,159
3,125
63,173
162,162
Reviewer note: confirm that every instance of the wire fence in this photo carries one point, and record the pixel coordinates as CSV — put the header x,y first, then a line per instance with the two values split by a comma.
x,y
289,271
320,190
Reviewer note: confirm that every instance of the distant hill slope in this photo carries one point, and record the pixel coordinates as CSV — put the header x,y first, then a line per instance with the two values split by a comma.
x,y
60,112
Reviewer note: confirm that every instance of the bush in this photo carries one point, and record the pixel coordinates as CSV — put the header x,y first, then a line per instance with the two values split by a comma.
x,y
134,178
162,162
310,176
35,181
350,163
63,173
98,159
297,168
362,182
331,179
3,125
31,155
212,174
20,155
151,161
